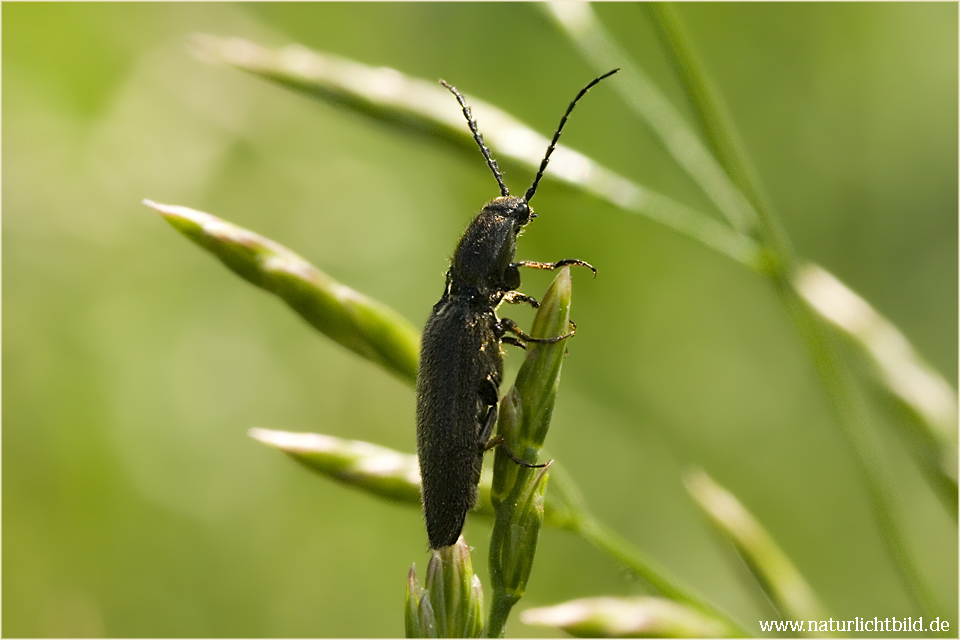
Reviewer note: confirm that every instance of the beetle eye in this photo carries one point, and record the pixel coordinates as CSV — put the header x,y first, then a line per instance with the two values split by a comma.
x,y
525,214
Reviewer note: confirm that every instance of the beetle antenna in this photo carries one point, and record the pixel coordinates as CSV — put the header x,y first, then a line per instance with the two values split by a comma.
x,y
556,136
479,138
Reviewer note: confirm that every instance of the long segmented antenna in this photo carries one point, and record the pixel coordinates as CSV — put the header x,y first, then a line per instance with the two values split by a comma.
x,y
556,137
479,138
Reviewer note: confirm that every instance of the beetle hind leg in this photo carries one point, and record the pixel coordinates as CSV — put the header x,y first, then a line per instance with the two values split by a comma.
x,y
497,441
487,442
489,421
514,341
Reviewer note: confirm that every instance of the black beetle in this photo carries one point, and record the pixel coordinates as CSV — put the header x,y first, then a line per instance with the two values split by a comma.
x,y
461,364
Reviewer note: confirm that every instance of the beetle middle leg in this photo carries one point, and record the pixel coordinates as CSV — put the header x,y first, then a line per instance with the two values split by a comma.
x,y
514,341
506,324
515,297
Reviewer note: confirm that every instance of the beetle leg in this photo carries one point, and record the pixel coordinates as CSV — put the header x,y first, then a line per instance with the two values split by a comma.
x,y
515,297
500,330
506,324
489,391
497,441
514,341
487,429
511,278
554,265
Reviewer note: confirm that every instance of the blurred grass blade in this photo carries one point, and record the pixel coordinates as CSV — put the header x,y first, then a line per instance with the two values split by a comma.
x,y
647,571
716,124
566,509
928,400
424,106
856,425
360,324
639,617
778,577
384,472
578,21
390,474
372,468
704,100
395,476
596,44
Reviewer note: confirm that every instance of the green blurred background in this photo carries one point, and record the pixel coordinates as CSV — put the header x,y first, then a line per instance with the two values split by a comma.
x,y
134,504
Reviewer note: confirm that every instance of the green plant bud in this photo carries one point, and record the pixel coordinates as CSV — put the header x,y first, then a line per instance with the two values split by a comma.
x,y
474,624
428,624
640,617
523,532
518,491
411,617
539,375
526,409
505,470
419,620
437,592
451,603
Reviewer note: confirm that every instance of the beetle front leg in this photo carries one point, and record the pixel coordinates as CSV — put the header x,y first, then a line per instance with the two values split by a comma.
x,y
554,265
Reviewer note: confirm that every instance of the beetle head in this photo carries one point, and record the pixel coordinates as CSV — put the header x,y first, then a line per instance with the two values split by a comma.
x,y
511,207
